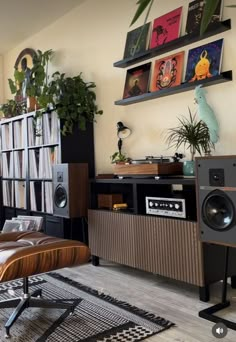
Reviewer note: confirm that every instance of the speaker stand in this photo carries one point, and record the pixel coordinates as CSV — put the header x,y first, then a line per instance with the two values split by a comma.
x,y
209,312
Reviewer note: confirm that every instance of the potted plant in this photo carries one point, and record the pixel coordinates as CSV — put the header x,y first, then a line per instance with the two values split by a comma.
x,y
74,100
194,135
119,158
12,108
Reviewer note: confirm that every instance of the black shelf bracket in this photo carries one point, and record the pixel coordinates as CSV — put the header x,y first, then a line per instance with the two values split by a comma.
x,y
209,312
225,76
174,44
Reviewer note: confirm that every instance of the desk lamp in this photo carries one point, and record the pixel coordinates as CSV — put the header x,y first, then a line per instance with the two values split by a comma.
x,y
122,133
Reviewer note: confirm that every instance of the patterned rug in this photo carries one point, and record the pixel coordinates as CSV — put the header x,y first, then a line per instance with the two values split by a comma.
x,y
97,317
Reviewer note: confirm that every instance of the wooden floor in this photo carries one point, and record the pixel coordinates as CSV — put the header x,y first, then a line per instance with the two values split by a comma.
x,y
170,299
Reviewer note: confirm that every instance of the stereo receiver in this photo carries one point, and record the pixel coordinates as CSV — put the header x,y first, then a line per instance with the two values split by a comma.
x,y
164,206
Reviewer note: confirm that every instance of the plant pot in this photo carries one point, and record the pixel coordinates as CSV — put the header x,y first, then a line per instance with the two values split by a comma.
x,y
189,168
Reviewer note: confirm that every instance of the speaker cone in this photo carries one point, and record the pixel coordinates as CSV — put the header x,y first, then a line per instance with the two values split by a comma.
x,y
218,211
60,196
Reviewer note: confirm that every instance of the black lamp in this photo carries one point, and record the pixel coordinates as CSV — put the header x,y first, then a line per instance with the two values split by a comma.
x,y
122,133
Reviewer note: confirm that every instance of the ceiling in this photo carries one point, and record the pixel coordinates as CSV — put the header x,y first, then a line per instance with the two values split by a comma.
x,y
20,19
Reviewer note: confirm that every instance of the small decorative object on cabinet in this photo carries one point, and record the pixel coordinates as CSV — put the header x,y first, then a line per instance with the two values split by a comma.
x,y
192,134
27,156
167,246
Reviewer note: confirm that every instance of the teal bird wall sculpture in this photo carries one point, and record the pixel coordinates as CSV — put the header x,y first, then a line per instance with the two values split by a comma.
x,y
206,114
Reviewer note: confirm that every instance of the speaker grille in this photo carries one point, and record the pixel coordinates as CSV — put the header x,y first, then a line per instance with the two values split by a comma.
x,y
60,196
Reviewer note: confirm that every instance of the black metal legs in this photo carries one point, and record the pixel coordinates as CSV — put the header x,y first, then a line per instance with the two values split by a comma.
x,y
209,312
204,293
28,300
95,260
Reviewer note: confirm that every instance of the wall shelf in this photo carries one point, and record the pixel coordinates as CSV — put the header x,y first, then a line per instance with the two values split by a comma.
x,y
174,44
225,76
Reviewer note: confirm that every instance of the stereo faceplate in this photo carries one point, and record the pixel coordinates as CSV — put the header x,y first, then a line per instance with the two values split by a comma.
x,y
164,206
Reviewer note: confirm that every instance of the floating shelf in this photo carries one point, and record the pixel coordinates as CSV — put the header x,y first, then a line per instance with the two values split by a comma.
x,y
174,44
225,76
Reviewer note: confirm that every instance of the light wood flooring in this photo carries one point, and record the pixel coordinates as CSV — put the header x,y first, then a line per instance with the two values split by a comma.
x,y
170,299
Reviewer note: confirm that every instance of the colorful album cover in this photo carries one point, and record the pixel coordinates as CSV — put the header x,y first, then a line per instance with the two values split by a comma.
x,y
167,72
194,16
166,28
204,61
137,40
137,80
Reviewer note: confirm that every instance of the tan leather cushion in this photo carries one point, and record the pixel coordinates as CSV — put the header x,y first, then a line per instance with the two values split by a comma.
x,y
27,253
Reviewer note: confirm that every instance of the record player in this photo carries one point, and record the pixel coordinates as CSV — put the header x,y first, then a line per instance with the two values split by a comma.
x,y
151,166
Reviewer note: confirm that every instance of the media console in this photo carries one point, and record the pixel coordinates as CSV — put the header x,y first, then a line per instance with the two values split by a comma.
x,y
167,246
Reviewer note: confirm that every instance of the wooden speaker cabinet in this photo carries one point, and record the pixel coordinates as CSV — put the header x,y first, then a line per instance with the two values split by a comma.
x,y
70,190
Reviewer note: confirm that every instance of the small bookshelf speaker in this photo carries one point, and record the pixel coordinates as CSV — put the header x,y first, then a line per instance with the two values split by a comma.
x,y
70,190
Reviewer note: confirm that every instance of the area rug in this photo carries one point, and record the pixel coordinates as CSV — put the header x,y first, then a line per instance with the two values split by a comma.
x,y
97,317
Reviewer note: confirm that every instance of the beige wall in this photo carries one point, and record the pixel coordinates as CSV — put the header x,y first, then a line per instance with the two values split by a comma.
x,y
1,80
90,39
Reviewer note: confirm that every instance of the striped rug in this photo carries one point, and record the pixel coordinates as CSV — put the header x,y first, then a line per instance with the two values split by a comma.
x,y
97,317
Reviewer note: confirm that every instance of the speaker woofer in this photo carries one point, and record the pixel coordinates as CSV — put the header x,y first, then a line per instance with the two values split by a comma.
x,y
60,196
218,211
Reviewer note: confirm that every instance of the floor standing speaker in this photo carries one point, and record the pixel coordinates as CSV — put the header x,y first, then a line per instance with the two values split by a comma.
x,y
216,199
70,190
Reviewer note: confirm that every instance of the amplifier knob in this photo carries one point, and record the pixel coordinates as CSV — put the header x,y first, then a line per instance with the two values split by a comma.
x,y
151,204
177,206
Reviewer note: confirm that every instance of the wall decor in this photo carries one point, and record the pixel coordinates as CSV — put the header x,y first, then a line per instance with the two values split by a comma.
x,y
204,61
167,72
137,80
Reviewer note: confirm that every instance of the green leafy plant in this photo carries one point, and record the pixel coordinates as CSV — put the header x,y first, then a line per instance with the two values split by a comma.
x,y
73,98
12,108
118,157
37,86
193,134
74,101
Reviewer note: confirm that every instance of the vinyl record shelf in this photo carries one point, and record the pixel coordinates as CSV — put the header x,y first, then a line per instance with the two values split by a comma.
x,y
174,44
225,76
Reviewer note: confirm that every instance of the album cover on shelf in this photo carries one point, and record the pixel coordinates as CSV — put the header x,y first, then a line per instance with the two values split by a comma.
x,y
166,28
204,61
167,72
137,80
194,16
137,40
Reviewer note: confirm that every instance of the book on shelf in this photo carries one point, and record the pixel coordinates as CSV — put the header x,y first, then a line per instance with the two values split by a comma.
x,y
6,136
36,196
166,28
137,80
204,61
167,72
137,40
48,197
194,16
20,194
19,136
19,164
8,193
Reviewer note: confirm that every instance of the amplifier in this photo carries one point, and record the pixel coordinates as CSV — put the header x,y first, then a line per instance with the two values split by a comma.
x,y
164,206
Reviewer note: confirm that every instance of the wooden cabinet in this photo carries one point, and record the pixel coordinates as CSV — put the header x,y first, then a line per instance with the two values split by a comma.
x,y
163,245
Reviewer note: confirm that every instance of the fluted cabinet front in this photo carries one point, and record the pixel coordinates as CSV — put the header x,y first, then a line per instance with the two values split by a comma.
x,y
164,246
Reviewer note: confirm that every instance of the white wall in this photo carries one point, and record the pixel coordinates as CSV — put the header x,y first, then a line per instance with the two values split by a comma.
x,y
90,39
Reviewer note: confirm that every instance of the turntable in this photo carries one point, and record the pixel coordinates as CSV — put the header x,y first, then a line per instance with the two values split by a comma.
x,y
151,166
